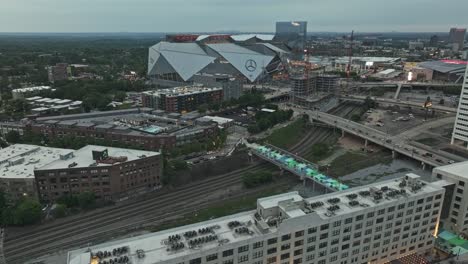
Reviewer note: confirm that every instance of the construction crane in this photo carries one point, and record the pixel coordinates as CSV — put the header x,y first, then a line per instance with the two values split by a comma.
x,y
350,54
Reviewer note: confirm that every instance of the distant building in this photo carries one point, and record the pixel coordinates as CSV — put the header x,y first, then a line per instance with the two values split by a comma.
x,y
373,224
108,172
232,87
181,99
457,37
434,41
143,128
22,93
293,32
416,45
50,106
460,130
59,72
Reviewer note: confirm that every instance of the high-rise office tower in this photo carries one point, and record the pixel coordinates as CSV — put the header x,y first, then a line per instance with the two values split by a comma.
x,y
457,37
294,32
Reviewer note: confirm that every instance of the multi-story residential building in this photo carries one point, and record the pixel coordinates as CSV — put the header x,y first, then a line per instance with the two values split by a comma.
x,y
17,165
460,130
107,172
49,173
181,99
59,72
232,86
371,224
457,200
141,128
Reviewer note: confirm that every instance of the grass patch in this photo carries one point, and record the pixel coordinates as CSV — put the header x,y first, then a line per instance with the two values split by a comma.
x,y
321,151
224,208
353,161
286,137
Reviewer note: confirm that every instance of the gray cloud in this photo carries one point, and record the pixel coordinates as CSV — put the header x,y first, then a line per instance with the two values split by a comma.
x,y
215,15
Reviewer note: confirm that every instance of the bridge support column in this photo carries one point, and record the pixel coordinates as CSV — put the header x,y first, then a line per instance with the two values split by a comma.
x,y
343,133
423,165
366,143
394,154
281,171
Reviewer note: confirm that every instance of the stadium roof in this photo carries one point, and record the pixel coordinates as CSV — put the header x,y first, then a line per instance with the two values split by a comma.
x,y
245,37
184,58
250,63
443,67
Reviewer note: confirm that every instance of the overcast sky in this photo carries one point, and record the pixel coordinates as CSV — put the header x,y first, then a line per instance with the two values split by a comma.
x,y
221,15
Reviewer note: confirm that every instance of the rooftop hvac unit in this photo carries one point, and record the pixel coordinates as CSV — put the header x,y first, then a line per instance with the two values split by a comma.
x,y
334,200
364,193
351,196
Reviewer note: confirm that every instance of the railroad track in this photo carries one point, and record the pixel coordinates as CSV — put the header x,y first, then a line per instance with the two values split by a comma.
x,y
83,229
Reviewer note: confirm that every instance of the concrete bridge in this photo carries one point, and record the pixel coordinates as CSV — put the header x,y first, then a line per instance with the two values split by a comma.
x,y
296,165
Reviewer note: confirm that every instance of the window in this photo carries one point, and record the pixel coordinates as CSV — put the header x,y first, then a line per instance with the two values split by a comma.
x,y
310,248
272,241
228,253
212,257
324,227
299,243
284,256
312,230
195,261
229,261
257,254
243,249
348,221
461,183
323,236
286,246
271,260
311,240
299,234
298,252
337,224
286,237
258,244
323,245
271,251
359,217
243,258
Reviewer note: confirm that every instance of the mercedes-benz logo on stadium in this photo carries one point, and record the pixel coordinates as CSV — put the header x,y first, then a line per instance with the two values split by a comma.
x,y
250,65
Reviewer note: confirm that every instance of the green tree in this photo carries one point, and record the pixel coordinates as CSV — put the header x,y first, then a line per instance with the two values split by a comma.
x,y
13,137
60,211
86,200
27,212
252,180
120,96
202,108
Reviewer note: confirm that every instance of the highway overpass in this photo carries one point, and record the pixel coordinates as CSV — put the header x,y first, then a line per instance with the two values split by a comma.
x,y
358,98
397,145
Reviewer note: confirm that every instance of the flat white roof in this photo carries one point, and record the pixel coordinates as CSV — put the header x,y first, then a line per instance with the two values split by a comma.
x,y
20,160
459,169
84,158
183,90
31,89
219,120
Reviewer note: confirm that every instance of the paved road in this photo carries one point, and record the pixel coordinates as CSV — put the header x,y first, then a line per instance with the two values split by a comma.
x,y
396,144
415,131
399,102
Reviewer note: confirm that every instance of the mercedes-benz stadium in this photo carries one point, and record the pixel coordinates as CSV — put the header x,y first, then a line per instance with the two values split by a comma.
x,y
180,57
